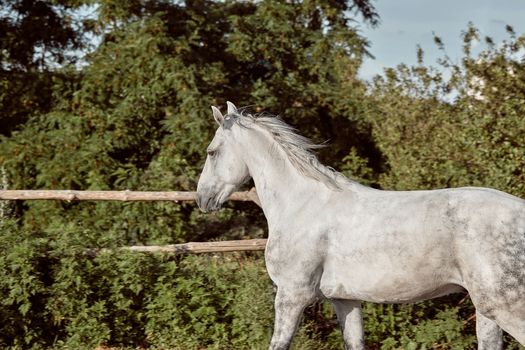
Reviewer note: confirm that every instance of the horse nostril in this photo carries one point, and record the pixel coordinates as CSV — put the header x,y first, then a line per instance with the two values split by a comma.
x,y
206,204
206,200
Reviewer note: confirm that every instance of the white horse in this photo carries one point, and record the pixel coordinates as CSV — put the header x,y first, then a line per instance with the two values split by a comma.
x,y
330,237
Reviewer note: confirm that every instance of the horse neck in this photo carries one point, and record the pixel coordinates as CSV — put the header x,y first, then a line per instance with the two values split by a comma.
x,y
281,188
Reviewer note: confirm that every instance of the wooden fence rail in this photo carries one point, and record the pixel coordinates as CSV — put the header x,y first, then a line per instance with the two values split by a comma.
x,y
193,247
70,195
174,196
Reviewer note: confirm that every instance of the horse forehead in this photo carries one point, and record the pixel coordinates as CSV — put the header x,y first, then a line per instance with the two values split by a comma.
x,y
218,138
222,135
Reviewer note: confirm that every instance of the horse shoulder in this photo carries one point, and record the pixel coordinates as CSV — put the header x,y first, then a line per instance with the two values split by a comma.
x,y
295,254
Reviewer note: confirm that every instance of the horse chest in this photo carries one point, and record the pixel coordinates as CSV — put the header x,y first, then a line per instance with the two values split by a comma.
x,y
290,260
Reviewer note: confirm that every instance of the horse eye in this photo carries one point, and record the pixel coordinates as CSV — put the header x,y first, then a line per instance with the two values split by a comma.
x,y
212,152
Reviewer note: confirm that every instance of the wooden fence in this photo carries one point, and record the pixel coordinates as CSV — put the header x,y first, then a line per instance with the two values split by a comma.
x,y
174,196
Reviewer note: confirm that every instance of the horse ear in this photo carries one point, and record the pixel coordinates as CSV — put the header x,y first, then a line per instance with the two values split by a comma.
x,y
217,115
231,108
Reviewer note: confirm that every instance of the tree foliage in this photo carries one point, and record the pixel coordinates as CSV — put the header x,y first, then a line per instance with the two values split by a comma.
x,y
35,36
461,131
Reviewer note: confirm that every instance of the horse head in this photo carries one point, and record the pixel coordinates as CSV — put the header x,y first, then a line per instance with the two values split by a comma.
x,y
224,170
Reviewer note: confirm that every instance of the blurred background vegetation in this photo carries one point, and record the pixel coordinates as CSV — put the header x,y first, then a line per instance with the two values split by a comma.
x,y
114,95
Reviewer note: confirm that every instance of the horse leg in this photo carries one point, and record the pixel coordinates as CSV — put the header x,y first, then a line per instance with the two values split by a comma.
x,y
289,306
489,334
506,309
511,321
351,321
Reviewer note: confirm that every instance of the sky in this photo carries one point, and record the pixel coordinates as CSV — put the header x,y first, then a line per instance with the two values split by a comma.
x,y
408,23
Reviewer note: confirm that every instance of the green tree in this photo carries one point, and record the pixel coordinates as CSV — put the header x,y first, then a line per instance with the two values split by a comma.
x,y
463,130
35,37
137,117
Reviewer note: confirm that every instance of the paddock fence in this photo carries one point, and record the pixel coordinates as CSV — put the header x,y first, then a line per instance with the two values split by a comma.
x,y
148,196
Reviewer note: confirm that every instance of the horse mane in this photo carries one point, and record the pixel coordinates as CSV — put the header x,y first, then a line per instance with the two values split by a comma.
x,y
299,149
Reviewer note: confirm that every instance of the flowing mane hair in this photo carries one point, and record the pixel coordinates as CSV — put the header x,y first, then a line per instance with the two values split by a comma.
x,y
299,149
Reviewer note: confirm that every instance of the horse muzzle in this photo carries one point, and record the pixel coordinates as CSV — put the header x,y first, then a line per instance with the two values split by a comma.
x,y
207,202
